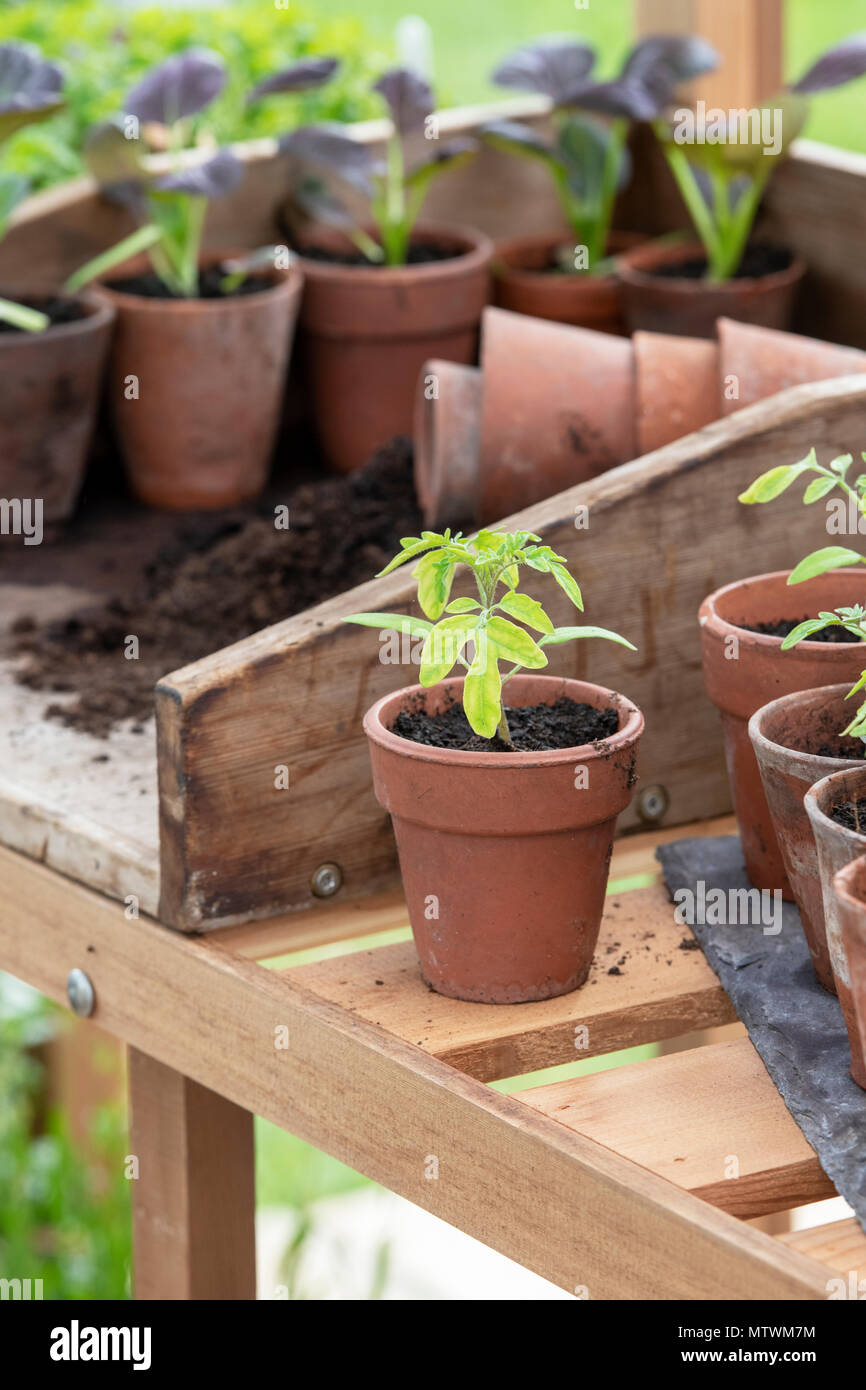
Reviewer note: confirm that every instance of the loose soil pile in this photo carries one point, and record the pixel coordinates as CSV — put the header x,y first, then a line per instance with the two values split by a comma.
x,y
225,577
534,728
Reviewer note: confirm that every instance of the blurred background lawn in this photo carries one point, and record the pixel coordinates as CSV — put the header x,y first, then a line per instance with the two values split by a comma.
x,y
64,1199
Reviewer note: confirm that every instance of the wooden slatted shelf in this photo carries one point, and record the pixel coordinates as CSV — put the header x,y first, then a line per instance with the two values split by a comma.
x,y
709,1119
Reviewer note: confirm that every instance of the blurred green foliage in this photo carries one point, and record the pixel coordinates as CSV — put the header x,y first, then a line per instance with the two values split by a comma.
x,y
63,1220
105,49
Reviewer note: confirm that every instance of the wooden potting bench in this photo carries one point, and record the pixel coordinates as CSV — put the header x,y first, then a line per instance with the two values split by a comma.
x,y
615,1185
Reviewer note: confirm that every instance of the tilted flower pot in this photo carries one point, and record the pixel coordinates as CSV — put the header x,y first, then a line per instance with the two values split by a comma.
x,y
49,391
504,856
446,437
744,670
787,735
526,282
849,887
837,846
557,408
676,385
759,362
656,299
366,332
196,389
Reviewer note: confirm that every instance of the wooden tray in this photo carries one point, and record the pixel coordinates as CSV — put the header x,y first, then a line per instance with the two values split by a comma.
x,y
636,1182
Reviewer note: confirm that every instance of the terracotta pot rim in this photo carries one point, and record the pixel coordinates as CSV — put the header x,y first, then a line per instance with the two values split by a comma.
x,y
503,269
478,252
709,616
285,283
824,791
662,255
99,314
630,731
771,748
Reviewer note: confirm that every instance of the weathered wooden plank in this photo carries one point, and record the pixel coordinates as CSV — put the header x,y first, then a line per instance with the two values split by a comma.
x,y
709,1120
657,990
662,533
556,1201
193,1192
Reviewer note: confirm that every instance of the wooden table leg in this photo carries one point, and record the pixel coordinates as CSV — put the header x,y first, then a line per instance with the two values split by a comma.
x,y
194,1196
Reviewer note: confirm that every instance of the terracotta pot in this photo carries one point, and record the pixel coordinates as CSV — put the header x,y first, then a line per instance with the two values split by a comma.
x,y
524,283
837,846
677,387
504,861
761,672
765,361
557,408
49,390
786,735
211,376
446,433
665,304
850,890
367,332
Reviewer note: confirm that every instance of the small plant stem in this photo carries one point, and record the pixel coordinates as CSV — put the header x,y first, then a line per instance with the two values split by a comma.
x,y
503,730
692,197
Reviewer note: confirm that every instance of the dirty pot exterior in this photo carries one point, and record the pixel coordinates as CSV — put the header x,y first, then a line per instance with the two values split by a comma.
x,y
524,283
504,856
366,333
785,735
666,304
850,892
836,847
211,379
49,393
759,672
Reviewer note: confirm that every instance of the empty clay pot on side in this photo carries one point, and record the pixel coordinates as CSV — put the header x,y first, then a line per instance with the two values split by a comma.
x,y
837,846
366,332
50,385
667,304
786,736
504,856
210,377
849,887
744,670
524,282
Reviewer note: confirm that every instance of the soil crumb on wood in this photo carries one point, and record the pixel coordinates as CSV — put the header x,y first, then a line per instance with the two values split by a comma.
x,y
785,626
534,728
225,576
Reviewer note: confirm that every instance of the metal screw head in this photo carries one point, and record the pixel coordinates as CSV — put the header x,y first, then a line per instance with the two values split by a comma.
x,y
652,803
79,992
327,880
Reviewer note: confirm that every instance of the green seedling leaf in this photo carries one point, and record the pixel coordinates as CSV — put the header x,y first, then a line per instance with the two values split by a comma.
x,y
412,546
571,634
482,692
832,557
818,488
526,610
515,644
805,629
568,584
434,573
442,647
402,622
773,483
841,464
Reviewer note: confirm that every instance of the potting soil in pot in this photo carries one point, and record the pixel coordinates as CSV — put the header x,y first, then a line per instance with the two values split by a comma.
x,y
794,1024
216,580
533,728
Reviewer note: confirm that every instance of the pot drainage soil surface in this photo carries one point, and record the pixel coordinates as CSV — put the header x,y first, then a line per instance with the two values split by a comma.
x,y
221,579
534,728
